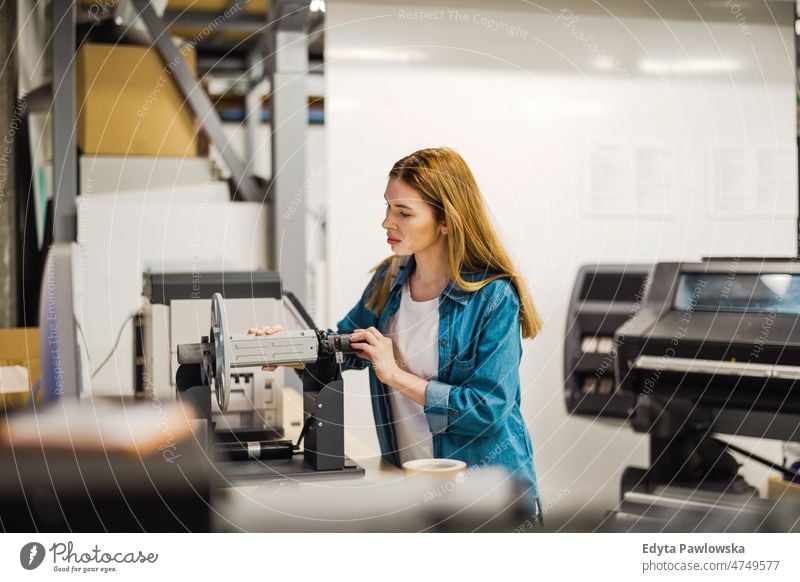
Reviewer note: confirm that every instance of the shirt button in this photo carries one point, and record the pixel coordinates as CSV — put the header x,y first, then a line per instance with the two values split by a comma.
x,y
444,343
445,313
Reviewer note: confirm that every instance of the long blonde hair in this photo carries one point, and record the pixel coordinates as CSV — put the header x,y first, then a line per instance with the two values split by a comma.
x,y
443,179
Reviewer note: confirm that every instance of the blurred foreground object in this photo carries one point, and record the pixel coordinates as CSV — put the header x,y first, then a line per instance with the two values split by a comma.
x,y
486,499
96,466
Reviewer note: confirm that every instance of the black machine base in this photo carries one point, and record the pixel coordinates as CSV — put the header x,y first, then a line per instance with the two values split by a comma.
x,y
646,481
323,450
691,459
294,469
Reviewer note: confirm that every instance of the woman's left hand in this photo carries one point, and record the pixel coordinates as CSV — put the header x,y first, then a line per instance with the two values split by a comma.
x,y
378,349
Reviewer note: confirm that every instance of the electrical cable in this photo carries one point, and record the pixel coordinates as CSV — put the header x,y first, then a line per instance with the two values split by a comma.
x,y
303,432
787,471
116,343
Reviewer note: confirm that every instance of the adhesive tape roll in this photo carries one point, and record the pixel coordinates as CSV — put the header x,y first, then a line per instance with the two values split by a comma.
x,y
435,467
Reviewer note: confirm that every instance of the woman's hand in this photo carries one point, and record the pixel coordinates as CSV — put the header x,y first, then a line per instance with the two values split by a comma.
x,y
378,349
268,330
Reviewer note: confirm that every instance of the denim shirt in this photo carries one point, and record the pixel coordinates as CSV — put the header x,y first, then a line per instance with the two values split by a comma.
x,y
473,407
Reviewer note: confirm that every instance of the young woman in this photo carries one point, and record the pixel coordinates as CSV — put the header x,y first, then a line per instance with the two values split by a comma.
x,y
440,322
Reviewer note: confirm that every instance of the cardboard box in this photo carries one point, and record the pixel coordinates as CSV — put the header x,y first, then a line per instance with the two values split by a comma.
x,y
129,105
778,489
19,346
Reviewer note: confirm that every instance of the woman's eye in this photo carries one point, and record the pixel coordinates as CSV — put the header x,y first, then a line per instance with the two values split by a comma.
x,y
401,213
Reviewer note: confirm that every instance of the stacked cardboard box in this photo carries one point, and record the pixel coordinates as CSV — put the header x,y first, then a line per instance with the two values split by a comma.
x,y
129,105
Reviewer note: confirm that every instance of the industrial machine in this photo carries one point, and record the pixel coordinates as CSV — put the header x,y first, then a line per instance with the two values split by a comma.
x,y
320,354
714,349
176,310
709,348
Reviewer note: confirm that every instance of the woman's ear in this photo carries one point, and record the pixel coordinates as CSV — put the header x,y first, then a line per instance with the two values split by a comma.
x,y
443,229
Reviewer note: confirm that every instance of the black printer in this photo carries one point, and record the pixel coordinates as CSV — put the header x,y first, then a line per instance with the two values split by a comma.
x,y
705,349
716,346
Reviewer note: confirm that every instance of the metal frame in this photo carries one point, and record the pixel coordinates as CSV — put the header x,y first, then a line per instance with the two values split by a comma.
x,y
287,66
65,155
236,11
253,99
64,107
797,120
243,22
198,100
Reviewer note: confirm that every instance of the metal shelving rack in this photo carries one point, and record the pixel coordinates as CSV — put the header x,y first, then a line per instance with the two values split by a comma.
x,y
284,39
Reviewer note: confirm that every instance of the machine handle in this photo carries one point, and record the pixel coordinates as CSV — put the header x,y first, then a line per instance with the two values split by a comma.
x,y
717,367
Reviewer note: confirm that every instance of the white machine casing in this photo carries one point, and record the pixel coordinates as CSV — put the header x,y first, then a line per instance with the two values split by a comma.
x,y
256,397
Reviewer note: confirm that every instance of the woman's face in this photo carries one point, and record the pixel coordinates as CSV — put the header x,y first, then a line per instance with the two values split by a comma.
x,y
410,223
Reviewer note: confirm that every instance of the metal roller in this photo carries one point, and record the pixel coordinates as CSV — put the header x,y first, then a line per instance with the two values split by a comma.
x,y
224,352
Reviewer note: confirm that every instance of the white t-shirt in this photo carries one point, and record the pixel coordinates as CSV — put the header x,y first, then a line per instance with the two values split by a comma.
x,y
414,330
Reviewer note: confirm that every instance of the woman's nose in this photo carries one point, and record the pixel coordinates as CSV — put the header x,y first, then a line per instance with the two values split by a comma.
x,y
386,224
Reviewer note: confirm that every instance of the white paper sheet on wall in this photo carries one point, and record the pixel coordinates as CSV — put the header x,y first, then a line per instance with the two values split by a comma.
x,y
653,180
775,170
750,181
628,180
611,180
733,169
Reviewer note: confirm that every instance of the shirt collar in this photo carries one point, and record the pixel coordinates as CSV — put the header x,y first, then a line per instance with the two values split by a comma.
x,y
452,290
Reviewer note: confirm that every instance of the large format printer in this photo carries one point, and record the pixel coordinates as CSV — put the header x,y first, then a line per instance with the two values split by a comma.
x,y
716,349
712,348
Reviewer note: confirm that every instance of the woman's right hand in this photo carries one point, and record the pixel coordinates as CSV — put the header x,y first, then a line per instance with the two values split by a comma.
x,y
268,330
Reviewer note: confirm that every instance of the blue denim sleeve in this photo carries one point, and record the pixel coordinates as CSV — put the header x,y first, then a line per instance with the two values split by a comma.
x,y
359,317
484,402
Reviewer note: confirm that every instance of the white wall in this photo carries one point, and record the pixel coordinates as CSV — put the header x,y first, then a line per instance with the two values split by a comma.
x,y
609,147
315,188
